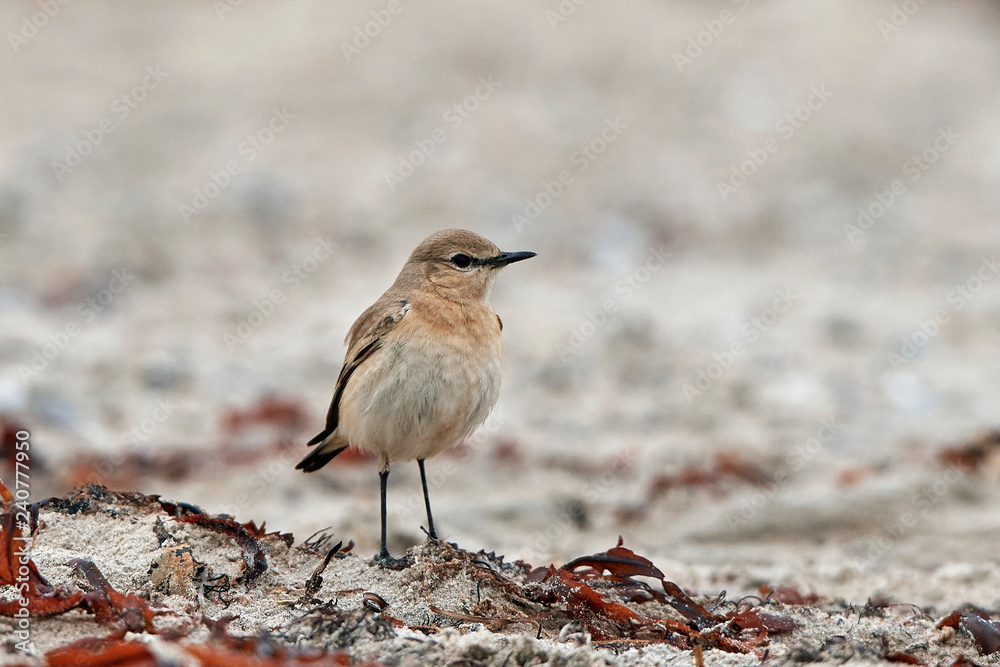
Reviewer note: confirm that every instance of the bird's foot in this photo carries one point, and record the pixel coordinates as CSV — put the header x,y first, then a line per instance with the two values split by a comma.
x,y
387,562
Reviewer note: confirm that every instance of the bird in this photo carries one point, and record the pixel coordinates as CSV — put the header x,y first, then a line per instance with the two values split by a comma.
x,y
423,364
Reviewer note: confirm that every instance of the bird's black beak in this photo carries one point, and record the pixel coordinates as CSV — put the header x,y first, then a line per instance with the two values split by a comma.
x,y
505,258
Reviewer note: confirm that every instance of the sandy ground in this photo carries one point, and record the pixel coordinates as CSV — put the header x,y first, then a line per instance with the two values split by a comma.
x,y
748,370
205,589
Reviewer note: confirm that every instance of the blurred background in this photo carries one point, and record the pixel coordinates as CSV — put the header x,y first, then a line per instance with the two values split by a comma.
x,y
761,335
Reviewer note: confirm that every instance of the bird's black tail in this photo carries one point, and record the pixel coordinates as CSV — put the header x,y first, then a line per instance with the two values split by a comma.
x,y
318,459
320,437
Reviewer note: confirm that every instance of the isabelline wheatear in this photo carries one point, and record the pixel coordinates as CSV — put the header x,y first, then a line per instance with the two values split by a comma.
x,y
423,363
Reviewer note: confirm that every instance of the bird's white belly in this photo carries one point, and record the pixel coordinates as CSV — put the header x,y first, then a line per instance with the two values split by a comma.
x,y
416,400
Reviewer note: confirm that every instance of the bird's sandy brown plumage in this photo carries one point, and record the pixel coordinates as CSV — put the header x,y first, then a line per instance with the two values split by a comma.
x,y
432,317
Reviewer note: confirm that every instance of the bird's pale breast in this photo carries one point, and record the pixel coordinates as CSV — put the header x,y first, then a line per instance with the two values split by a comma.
x,y
434,380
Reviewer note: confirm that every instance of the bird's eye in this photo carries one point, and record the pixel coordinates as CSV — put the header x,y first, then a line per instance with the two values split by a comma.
x,y
461,260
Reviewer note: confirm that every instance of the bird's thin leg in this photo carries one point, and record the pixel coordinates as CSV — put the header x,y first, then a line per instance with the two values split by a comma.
x,y
384,559
431,533
383,477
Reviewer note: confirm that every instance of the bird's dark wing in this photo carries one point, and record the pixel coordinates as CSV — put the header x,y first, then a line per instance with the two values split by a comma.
x,y
365,337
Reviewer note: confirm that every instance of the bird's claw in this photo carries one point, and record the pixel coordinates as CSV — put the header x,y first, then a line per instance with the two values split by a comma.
x,y
387,562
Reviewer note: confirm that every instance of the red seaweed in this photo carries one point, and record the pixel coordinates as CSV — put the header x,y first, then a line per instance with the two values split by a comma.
x,y
254,555
985,633
726,467
110,651
268,411
107,604
789,595
619,561
755,619
261,533
970,457
34,593
609,621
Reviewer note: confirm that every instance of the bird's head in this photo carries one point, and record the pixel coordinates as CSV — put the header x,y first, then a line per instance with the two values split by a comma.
x,y
458,264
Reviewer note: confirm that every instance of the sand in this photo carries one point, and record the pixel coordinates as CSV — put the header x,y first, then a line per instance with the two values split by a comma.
x,y
446,605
